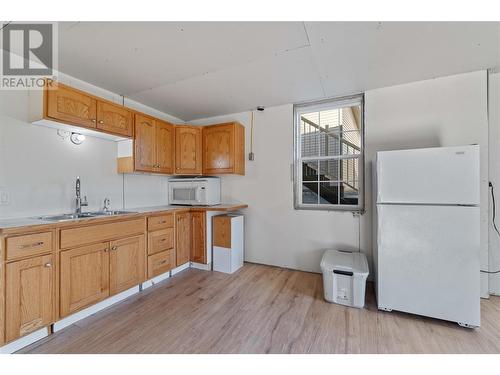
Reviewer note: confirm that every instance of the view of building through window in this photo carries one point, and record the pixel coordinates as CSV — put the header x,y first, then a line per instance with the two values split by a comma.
x,y
329,157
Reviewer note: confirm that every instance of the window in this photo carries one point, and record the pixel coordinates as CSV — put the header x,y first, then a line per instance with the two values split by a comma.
x,y
329,154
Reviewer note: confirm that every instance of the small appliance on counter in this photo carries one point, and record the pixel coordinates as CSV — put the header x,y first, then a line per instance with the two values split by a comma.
x,y
194,191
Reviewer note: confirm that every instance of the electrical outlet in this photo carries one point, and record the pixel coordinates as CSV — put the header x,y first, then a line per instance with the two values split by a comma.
x,y
4,197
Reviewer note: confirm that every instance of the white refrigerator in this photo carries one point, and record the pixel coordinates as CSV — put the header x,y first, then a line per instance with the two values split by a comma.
x,y
426,252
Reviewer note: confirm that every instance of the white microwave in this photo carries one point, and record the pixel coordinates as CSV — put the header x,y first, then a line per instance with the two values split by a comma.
x,y
194,191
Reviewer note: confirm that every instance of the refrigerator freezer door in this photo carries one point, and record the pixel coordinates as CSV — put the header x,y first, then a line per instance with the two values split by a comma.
x,y
442,175
428,261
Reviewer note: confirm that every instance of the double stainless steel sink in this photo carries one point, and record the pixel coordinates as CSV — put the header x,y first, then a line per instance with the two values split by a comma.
x,y
83,215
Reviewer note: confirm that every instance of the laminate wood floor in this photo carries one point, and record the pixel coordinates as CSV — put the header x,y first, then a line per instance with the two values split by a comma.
x,y
262,309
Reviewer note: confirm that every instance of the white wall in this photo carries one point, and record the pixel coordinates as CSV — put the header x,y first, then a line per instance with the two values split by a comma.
x,y
494,174
38,169
277,234
439,112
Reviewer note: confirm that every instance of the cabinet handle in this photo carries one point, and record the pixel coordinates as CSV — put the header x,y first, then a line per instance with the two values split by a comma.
x,y
48,265
162,222
106,250
30,245
101,122
93,120
163,240
114,248
162,262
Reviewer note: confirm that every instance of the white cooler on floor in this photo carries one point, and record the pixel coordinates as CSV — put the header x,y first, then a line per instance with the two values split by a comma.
x,y
344,277
227,242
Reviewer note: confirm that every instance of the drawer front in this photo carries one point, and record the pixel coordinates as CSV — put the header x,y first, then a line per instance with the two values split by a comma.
x,y
28,245
100,232
160,240
160,222
161,263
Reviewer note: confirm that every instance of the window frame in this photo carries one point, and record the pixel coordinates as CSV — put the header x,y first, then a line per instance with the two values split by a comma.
x,y
330,103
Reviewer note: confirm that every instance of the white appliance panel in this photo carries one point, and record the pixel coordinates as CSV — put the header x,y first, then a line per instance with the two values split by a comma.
x,y
428,261
444,175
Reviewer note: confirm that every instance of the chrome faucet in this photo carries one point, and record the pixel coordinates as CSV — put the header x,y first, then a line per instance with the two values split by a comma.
x,y
79,202
106,205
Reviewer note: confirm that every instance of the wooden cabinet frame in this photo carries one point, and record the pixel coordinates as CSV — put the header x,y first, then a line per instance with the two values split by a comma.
x,y
154,145
70,106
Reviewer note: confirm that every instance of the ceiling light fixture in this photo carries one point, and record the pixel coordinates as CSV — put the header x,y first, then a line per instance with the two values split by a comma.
x,y
77,138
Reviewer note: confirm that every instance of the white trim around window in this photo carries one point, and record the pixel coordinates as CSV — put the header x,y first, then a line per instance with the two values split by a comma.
x,y
329,146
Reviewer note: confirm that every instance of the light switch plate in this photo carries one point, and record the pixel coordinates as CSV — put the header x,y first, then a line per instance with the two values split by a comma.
x,y
4,197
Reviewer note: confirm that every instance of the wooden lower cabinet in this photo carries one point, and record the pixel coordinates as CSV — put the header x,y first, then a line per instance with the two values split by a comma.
x,y
127,259
29,296
198,237
161,262
84,278
183,237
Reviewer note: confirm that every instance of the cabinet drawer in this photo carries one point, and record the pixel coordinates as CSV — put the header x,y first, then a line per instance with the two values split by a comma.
x,y
160,240
160,222
100,232
161,263
28,245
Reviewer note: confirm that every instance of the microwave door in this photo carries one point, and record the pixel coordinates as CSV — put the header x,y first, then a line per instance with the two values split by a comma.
x,y
183,194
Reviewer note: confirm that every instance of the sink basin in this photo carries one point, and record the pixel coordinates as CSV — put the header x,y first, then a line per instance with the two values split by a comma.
x,y
110,213
64,217
83,215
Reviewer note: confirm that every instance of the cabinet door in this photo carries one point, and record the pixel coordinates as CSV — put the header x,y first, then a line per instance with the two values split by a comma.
x,y
183,237
114,119
84,277
71,106
198,242
165,147
188,151
127,259
144,143
29,296
218,149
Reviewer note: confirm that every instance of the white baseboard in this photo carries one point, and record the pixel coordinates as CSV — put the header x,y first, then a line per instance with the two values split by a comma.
x,y
155,280
69,320
20,343
181,268
201,266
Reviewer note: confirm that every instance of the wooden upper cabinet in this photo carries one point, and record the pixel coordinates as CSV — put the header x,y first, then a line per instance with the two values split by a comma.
x,y
224,149
198,237
84,278
154,145
182,237
165,144
114,119
188,153
144,143
127,259
29,296
71,106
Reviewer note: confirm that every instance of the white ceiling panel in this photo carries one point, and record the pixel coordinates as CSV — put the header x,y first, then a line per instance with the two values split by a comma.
x,y
127,57
285,78
357,56
198,69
